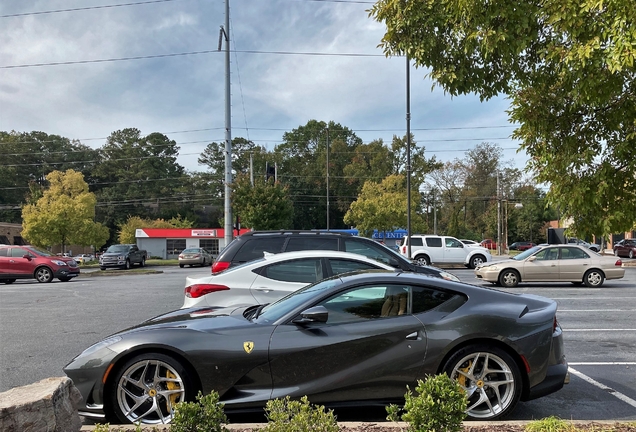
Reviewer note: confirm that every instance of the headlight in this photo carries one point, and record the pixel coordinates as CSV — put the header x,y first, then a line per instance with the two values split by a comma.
x,y
121,257
57,262
99,345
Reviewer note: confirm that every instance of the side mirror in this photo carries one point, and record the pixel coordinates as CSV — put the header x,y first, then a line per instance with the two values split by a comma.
x,y
27,256
311,315
532,258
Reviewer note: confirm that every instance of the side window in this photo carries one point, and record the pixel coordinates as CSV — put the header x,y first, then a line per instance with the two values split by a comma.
x,y
18,253
453,243
3,252
254,248
343,266
417,241
425,298
366,303
368,249
434,242
548,254
301,271
311,242
573,253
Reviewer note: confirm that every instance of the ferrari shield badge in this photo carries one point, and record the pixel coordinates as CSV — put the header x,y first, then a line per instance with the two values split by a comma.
x,y
248,346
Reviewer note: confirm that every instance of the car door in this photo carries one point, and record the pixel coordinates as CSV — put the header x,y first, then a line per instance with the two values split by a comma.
x,y
454,251
276,280
18,264
365,350
542,266
573,263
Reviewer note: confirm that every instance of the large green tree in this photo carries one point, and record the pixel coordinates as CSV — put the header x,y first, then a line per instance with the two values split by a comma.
x,y
265,205
567,67
64,214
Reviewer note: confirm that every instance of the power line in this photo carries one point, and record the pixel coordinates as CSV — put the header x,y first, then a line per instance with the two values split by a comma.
x,y
86,8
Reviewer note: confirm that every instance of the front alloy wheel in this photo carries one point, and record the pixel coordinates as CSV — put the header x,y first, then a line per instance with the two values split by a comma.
x,y
148,388
490,378
476,261
593,278
509,278
44,274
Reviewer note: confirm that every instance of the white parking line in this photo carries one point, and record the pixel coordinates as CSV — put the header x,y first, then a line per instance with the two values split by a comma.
x,y
596,330
602,363
596,310
611,391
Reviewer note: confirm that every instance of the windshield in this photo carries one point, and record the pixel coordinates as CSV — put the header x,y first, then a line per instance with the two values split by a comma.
x,y
117,249
527,253
39,251
280,308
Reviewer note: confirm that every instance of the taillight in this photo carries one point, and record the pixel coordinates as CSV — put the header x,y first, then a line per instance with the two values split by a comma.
x,y
199,290
219,266
618,263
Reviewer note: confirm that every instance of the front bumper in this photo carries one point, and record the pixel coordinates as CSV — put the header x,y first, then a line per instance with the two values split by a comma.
x,y
487,274
66,272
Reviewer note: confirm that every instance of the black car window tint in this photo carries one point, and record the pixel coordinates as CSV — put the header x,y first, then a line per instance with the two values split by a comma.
x,y
302,271
359,304
426,298
314,242
343,266
368,249
255,248
417,241
434,242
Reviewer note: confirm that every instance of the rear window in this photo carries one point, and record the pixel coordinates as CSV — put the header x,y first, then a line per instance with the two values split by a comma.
x,y
254,248
434,242
311,243
417,241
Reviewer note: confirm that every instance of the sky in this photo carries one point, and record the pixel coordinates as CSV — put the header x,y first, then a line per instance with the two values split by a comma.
x,y
83,69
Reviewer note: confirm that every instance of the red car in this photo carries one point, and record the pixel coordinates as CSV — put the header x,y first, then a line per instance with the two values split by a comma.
x,y
489,244
27,262
626,248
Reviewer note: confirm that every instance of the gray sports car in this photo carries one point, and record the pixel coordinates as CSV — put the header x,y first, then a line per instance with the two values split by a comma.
x,y
358,338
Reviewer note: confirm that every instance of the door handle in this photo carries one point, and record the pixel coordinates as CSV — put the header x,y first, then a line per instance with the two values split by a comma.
x,y
412,336
264,289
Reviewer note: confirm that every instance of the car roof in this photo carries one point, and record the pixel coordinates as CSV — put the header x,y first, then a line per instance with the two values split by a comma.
x,y
283,256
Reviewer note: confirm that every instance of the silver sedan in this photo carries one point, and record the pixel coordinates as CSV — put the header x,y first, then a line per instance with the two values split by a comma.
x,y
553,263
195,256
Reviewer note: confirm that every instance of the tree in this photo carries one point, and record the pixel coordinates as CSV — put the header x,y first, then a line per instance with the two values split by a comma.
x,y
567,67
64,214
264,206
382,206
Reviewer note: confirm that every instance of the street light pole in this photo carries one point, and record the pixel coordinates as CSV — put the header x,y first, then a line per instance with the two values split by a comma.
x,y
408,157
327,176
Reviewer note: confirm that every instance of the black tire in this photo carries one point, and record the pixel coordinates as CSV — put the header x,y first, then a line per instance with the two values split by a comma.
x,y
476,260
509,278
593,278
423,260
143,262
577,283
102,268
8,281
466,366
43,274
65,279
180,265
127,265
144,367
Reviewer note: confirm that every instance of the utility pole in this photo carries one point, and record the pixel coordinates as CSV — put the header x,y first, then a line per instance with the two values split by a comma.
x,y
434,213
408,157
498,217
229,229
327,176
252,169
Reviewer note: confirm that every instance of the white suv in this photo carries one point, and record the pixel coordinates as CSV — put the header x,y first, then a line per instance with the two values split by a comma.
x,y
434,249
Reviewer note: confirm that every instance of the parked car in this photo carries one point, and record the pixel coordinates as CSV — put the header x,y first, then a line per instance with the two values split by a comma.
x,y
434,249
252,245
84,258
626,249
272,277
553,263
28,262
195,256
366,350
521,246
591,246
489,244
122,256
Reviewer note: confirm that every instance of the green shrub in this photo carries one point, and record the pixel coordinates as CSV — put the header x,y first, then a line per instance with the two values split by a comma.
x,y
204,415
439,406
102,427
286,415
550,424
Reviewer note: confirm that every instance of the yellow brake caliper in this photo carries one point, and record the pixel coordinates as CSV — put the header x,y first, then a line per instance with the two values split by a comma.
x,y
171,385
461,379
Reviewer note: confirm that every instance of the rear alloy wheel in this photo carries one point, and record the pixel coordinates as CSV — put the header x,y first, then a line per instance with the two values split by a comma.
x,y
44,274
143,262
127,265
148,387
509,278
593,278
476,261
423,260
490,378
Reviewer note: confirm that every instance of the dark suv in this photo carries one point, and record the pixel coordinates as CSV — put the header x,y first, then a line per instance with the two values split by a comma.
x,y
27,262
252,245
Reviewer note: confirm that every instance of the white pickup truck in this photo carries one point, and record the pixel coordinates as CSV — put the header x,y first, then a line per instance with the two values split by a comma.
x,y
434,249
